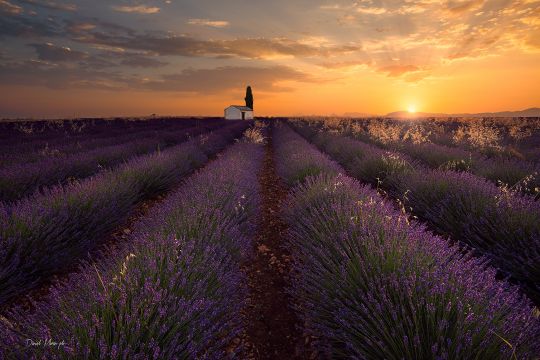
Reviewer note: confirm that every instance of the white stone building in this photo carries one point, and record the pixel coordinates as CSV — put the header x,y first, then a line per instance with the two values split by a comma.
x,y
237,112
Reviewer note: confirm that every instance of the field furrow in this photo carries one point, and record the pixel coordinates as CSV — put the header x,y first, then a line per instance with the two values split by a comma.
x,y
272,327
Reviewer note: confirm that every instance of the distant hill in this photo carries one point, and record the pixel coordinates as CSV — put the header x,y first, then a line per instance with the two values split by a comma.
x,y
357,115
532,112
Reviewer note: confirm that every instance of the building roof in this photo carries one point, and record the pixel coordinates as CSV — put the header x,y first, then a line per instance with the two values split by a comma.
x,y
241,108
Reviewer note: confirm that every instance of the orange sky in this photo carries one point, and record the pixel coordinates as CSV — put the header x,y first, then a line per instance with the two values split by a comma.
x,y
62,59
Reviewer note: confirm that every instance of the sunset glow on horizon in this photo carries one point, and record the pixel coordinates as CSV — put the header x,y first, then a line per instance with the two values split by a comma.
x,y
71,58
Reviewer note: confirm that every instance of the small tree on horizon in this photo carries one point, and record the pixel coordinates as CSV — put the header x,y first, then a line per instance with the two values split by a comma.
x,y
249,98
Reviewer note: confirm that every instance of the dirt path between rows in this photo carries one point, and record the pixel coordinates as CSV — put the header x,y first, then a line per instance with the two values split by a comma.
x,y
271,330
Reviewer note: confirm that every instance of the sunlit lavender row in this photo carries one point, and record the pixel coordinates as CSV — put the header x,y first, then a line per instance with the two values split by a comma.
x,y
477,147
495,137
371,283
512,173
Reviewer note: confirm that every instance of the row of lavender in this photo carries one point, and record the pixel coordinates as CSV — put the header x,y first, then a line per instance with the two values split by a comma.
x,y
503,226
20,133
177,289
20,180
496,137
45,233
513,173
61,145
505,169
372,284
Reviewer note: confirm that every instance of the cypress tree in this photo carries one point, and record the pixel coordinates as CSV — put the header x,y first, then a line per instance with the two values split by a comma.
x,y
249,98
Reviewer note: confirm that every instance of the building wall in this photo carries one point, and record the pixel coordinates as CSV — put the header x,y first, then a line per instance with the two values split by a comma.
x,y
232,113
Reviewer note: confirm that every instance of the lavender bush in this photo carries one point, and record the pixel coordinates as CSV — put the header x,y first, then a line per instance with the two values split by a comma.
x,y
312,163
178,291
518,174
440,156
505,227
373,284
46,233
522,176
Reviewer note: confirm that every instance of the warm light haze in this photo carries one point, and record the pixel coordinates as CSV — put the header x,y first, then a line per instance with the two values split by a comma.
x,y
62,58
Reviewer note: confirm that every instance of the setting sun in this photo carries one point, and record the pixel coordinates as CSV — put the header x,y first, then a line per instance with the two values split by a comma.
x,y
411,109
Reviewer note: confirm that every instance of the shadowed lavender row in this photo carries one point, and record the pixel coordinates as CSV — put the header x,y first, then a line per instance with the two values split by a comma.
x,y
28,135
372,284
503,226
60,145
43,234
20,180
177,289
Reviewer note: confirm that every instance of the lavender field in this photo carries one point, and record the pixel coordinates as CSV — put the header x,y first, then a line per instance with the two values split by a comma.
x,y
293,238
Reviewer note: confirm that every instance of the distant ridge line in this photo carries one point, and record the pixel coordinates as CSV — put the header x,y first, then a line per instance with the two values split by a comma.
x,y
531,112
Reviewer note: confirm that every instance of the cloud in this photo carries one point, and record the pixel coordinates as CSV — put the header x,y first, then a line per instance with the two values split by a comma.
x,y
431,32
345,64
426,34
473,46
107,58
136,60
195,81
269,47
229,77
48,4
139,9
7,7
333,7
37,73
207,22
398,70
371,10
79,27
53,53
183,45
413,9
461,6
19,26
99,33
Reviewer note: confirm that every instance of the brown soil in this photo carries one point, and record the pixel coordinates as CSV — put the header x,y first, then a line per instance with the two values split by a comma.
x,y
272,328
